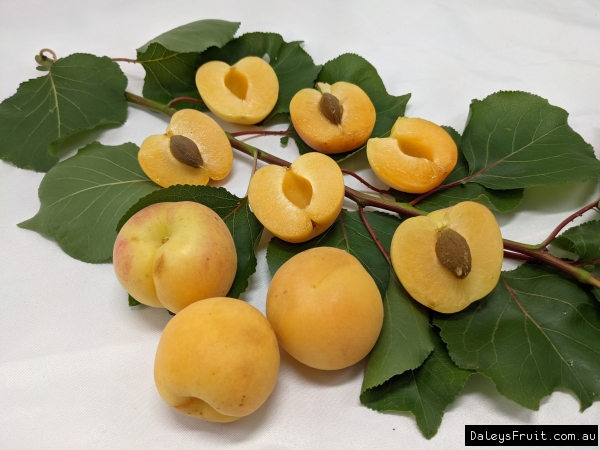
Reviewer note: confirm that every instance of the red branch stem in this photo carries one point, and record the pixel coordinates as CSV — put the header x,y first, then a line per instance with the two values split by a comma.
x,y
184,99
363,217
260,133
365,182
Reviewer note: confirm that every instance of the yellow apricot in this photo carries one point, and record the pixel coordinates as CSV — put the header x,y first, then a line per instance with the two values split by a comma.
x,y
417,157
325,308
430,262
160,162
333,119
299,202
244,93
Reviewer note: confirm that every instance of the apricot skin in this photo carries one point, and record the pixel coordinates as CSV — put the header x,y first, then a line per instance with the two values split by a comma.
x,y
422,274
217,360
170,255
164,169
417,157
244,93
358,118
299,202
325,308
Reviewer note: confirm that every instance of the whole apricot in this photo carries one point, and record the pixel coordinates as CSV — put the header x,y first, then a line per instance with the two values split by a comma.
x,y
325,308
449,258
217,360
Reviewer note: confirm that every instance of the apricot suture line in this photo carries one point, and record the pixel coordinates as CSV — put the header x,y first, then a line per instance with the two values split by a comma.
x,y
533,252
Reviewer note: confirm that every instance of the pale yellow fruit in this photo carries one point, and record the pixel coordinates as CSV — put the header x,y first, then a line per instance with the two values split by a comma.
x,y
244,93
325,308
173,254
217,360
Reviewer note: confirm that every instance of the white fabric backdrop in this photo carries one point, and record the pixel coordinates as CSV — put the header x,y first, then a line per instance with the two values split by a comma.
x,y
76,361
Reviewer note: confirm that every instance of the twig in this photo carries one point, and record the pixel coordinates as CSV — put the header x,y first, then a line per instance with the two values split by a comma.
x,y
365,182
363,217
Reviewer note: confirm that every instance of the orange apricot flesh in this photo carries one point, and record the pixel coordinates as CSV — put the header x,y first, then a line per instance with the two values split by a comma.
x,y
417,157
299,202
426,279
162,167
320,133
244,93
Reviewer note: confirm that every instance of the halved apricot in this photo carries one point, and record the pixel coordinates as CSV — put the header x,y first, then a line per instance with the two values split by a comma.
x,y
193,150
443,271
333,118
299,202
417,157
244,93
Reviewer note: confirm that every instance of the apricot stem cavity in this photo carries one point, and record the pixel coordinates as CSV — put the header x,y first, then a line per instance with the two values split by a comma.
x,y
237,83
453,252
331,108
297,189
185,151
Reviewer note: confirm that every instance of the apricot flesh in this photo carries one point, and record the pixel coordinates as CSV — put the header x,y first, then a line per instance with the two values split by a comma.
x,y
217,360
422,272
244,93
299,202
158,161
417,157
325,134
325,308
170,255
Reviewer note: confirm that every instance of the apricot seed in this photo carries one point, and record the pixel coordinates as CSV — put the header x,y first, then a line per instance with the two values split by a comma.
x,y
193,151
333,118
417,157
299,202
325,308
217,360
449,258
244,93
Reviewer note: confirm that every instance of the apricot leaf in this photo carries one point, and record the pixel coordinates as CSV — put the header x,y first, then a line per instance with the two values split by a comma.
x,y
347,233
235,212
170,59
78,93
516,139
406,338
83,197
425,391
294,67
538,331
583,240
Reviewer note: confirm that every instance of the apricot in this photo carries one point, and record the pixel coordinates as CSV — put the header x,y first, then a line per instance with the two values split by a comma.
x,y
333,118
325,308
417,157
244,93
449,258
217,360
193,151
299,202
170,255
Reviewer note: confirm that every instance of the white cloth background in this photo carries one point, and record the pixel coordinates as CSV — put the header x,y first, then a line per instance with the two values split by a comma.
x,y
76,361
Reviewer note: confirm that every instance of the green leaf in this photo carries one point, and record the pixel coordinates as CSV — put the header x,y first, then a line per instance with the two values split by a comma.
x,y
195,37
426,391
357,70
515,140
406,338
235,212
133,301
83,197
596,293
294,67
583,240
347,233
170,59
78,93
538,331
501,201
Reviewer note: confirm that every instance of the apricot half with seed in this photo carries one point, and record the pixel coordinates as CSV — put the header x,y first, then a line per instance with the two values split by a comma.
x,y
193,151
449,258
417,157
244,93
299,202
333,118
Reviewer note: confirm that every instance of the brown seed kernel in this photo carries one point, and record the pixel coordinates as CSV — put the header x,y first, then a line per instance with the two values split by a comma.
x,y
331,108
185,151
453,252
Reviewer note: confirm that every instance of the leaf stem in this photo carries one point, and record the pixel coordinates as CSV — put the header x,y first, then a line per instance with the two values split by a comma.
x,y
185,99
565,222
135,61
149,104
261,133
363,217
440,188
365,182
48,50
